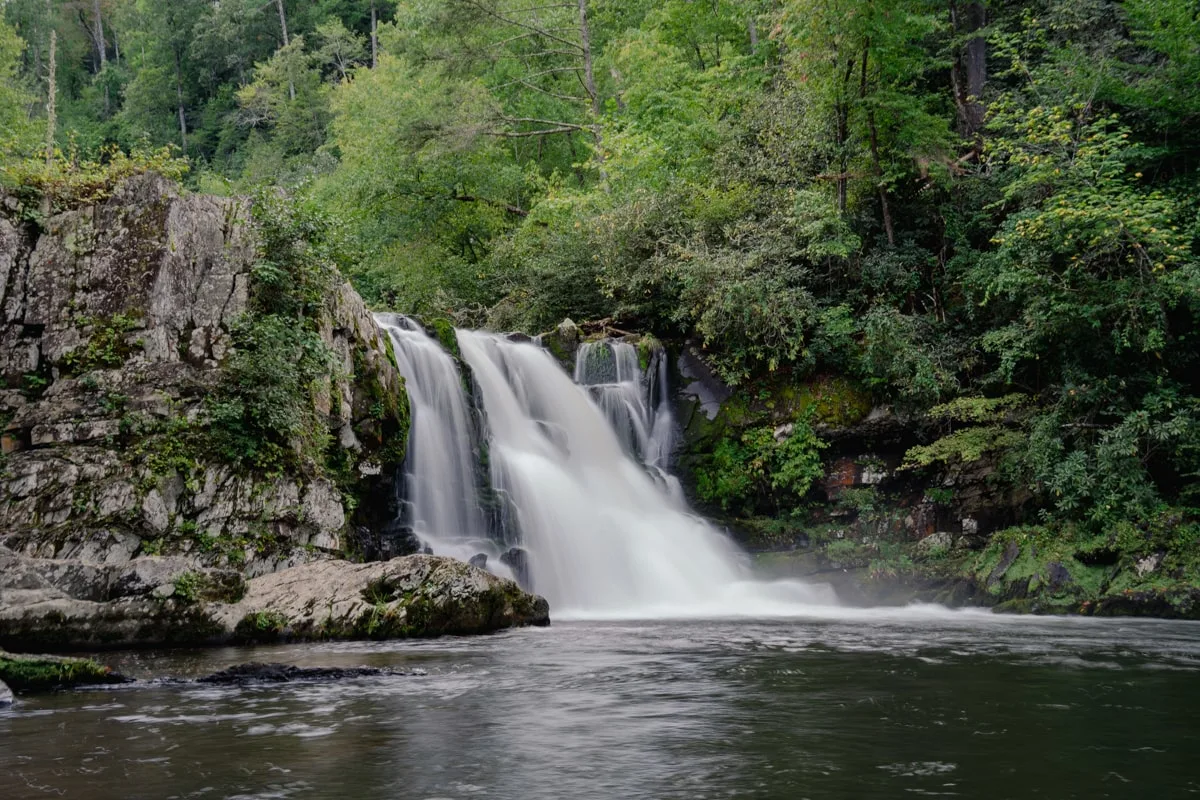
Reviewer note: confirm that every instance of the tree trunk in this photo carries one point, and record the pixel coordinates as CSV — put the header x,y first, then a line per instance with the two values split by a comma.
x,y
884,207
51,117
179,98
98,27
51,98
589,76
286,42
374,36
968,74
753,26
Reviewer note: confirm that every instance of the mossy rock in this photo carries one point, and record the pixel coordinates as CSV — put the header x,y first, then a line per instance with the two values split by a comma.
x,y
442,329
30,673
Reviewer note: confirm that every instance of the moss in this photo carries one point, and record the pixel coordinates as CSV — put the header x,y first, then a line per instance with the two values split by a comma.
x,y
647,346
443,330
41,673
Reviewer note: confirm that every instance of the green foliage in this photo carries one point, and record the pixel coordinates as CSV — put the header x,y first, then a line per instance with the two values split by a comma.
x,y
741,471
807,189
71,180
264,414
43,673
108,346
188,587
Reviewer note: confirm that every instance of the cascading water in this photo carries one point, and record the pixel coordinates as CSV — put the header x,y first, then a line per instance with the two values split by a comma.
x,y
441,487
636,404
604,538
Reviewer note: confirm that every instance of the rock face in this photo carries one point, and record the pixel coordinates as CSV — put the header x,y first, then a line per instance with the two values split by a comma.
x,y
64,604
6,695
115,321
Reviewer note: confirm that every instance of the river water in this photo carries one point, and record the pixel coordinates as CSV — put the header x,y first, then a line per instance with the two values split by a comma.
x,y
878,704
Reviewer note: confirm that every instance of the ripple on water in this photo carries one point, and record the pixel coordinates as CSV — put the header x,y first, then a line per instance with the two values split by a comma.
x,y
661,709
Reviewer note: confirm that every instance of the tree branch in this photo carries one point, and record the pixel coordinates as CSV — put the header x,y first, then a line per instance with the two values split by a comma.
x,y
524,25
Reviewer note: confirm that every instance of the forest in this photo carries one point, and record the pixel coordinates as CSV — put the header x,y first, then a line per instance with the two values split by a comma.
x,y
985,214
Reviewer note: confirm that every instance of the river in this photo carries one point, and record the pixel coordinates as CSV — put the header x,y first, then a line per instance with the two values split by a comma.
x,y
866,704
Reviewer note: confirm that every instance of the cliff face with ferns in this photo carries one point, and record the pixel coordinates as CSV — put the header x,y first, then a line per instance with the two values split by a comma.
x,y
117,322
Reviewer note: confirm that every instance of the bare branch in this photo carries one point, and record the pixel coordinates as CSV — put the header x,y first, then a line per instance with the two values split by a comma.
x,y
554,122
577,48
525,134
528,85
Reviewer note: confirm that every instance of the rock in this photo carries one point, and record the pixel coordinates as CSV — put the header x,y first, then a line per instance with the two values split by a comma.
x,y
478,560
1144,566
6,695
1011,552
413,596
31,673
123,311
1057,576
935,543
517,559
249,674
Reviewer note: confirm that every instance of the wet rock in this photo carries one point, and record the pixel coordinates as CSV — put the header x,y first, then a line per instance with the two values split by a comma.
x,y
412,596
478,560
6,695
517,559
1011,553
248,674
1057,576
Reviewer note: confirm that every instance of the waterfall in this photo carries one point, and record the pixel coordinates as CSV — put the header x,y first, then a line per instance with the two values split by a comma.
x,y
636,403
604,538
441,488
581,468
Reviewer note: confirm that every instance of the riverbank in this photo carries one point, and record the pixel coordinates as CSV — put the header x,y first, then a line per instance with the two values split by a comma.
x,y
1016,571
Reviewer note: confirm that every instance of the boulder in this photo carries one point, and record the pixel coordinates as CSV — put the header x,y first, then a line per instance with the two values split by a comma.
x,y
517,559
46,604
6,695
478,560
255,673
938,542
413,596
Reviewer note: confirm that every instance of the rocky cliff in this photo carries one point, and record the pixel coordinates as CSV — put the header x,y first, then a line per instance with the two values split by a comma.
x,y
115,323
133,410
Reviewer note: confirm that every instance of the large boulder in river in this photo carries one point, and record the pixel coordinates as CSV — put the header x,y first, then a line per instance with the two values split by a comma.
x,y
61,604
417,595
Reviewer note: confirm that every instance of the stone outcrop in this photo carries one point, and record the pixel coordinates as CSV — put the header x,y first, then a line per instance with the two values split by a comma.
x,y
63,604
115,322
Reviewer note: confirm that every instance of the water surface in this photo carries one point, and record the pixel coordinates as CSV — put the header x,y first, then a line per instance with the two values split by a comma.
x,y
881,705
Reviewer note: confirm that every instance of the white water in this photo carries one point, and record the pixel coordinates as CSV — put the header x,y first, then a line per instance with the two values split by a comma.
x,y
442,497
637,405
605,539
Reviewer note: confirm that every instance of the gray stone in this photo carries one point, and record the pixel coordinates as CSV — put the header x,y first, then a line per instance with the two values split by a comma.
x,y
6,695
1144,566
935,542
